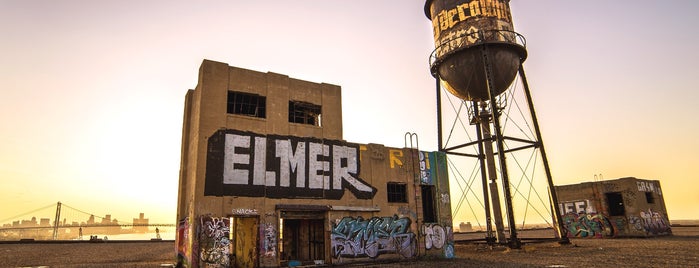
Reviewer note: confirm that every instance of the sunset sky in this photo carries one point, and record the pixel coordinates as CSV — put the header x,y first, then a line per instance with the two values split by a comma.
x,y
92,92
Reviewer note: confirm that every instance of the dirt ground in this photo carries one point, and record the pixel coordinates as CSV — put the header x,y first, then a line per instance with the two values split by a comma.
x,y
680,250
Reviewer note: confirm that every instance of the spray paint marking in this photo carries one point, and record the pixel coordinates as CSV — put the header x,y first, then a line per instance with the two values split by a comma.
x,y
356,237
654,222
214,242
268,235
587,225
435,236
248,164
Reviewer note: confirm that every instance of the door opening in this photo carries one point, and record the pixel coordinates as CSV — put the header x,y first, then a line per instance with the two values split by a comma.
x,y
302,240
244,236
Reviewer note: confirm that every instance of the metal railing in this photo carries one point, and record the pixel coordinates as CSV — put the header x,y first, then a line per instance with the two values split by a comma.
x,y
476,38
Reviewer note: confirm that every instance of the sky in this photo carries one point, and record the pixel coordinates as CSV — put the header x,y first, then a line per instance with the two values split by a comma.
x,y
92,92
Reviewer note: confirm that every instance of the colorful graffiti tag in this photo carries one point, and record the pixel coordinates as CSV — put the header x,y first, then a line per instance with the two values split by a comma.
x,y
357,237
587,225
214,242
183,251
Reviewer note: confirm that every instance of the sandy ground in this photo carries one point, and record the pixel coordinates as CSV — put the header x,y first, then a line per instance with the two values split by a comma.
x,y
680,250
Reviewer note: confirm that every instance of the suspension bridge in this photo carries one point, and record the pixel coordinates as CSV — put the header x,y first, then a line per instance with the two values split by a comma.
x,y
70,223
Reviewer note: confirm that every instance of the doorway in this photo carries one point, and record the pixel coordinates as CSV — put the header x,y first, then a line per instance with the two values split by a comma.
x,y
244,234
302,240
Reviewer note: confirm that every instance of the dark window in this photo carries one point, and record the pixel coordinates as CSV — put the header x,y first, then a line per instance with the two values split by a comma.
x,y
397,192
304,113
246,104
649,198
429,213
615,202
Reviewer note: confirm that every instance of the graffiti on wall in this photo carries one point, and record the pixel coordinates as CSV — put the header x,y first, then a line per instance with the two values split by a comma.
x,y
248,164
587,225
435,236
425,170
654,222
245,211
578,206
214,242
183,251
648,186
268,236
357,237
445,198
438,237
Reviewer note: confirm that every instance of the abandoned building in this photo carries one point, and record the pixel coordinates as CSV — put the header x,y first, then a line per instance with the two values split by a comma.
x,y
267,180
625,207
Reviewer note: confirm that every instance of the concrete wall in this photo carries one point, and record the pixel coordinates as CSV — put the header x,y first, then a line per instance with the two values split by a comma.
x,y
243,180
588,208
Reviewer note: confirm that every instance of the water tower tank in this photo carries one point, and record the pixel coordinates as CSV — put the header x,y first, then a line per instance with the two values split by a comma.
x,y
462,28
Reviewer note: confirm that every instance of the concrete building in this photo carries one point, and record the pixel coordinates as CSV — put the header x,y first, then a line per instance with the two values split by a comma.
x,y
614,208
267,180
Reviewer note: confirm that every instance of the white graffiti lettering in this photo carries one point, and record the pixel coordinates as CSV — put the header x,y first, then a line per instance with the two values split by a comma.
x,y
245,211
435,236
581,206
282,167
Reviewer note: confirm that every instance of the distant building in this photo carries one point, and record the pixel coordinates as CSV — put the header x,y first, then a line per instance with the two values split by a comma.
x,y
465,227
107,219
266,177
614,208
140,224
29,223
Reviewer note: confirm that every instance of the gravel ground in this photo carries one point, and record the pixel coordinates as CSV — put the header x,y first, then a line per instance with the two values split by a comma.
x,y
86,254
669,251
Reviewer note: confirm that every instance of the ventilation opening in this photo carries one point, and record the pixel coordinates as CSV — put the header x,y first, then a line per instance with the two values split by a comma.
x,y
246,104
304,113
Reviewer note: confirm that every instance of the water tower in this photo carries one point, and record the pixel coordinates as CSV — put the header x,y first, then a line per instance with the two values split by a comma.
x,y
477,56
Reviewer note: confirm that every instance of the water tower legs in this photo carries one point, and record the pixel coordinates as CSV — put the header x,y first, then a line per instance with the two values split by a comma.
x,y
514,242
484,122
558,220
484,177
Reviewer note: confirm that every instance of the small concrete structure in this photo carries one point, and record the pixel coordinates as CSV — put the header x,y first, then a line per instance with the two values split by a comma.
x,y
625,207
267,180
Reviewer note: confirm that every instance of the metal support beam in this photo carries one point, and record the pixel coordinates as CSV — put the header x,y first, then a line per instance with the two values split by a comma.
x,y
484,179
514,242
439,115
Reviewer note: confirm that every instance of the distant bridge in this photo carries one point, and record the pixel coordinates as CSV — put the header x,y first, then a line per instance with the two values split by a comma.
x,y
69,222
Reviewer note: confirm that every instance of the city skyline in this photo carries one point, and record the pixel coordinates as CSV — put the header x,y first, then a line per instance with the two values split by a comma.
x,y
93,93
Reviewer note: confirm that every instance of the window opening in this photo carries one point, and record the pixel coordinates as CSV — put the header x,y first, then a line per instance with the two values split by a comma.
x,y
304,113
246,104
649,198
615,202
396,192
429,213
